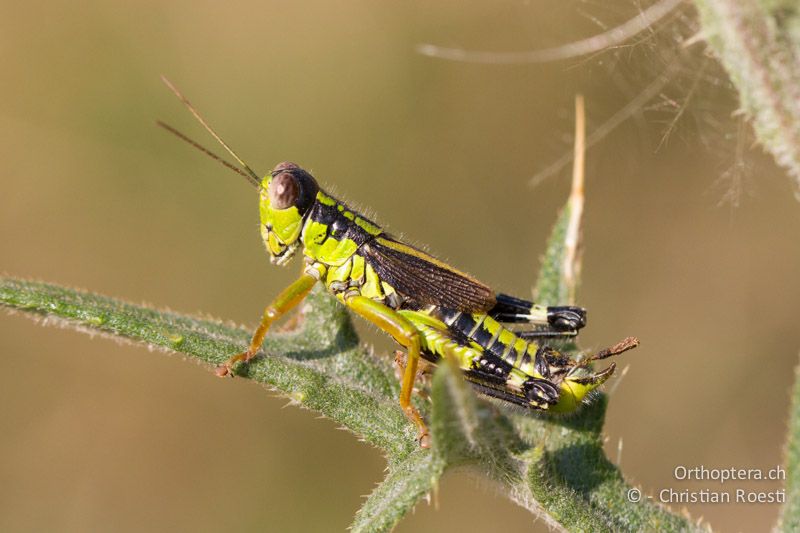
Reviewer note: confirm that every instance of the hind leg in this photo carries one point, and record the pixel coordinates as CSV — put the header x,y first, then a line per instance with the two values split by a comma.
x,y
404,332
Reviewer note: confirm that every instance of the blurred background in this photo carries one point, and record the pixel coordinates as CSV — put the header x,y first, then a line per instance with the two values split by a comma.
x,y
690,234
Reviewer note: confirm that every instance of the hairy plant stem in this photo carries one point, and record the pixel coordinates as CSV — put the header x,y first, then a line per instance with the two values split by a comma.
x,y
758,43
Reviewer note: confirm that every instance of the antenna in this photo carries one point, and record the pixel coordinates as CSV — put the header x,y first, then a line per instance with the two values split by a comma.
x,y
208,128
208,152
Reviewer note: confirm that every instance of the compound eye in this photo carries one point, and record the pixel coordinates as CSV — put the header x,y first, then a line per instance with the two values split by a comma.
x,y
286,165
283,191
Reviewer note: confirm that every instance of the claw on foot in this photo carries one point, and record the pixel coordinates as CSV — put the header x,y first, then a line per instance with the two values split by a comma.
x,y
424,440
226,368
223,371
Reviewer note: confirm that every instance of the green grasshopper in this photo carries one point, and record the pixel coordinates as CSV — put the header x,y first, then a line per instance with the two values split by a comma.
x,y
431,309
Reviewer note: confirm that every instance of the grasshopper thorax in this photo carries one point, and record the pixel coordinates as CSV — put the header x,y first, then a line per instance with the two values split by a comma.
x,y
286,195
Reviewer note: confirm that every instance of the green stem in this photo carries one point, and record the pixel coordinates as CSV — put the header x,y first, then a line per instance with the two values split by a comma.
x,y
553,467
359,393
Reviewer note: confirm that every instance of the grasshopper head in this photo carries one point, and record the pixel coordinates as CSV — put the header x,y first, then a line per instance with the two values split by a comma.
x,y
286,195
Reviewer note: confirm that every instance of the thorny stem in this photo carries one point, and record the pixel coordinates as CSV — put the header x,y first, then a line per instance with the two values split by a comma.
x,y
758,43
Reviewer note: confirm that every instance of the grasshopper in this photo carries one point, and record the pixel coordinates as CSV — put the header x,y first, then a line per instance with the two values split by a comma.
x,y
431,309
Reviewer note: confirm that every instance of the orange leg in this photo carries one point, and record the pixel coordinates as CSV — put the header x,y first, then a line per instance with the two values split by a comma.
x,y
399,327
286,300
424,371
